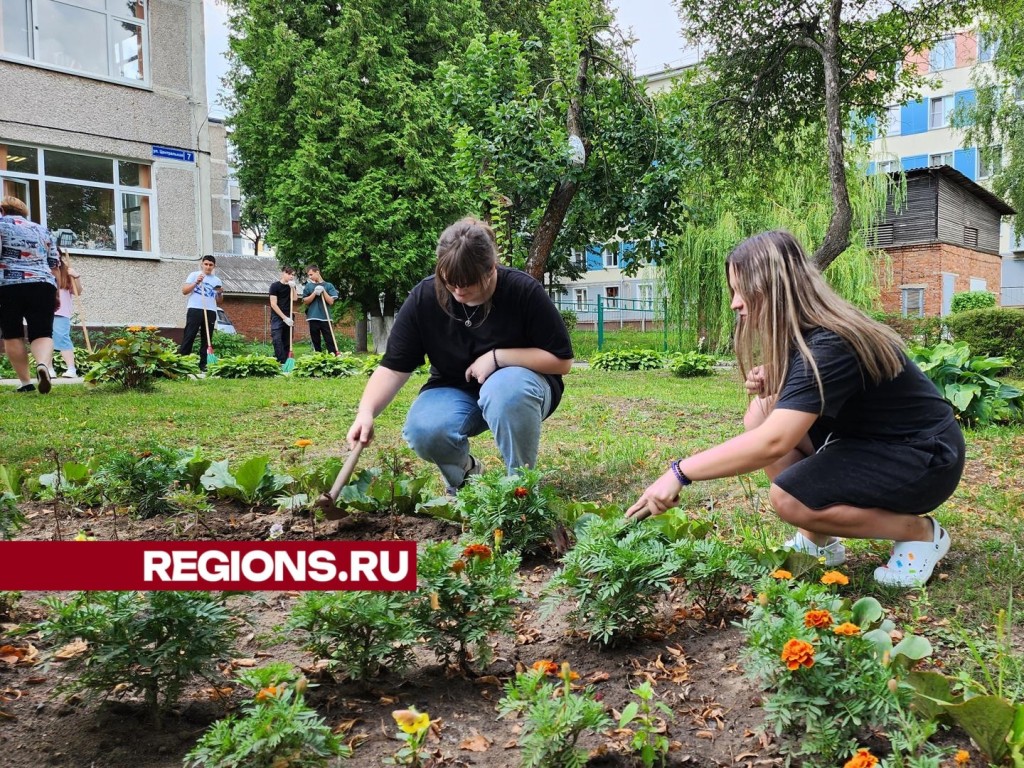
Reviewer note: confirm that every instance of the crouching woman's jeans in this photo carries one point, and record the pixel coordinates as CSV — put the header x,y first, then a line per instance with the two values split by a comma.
x,y
513,402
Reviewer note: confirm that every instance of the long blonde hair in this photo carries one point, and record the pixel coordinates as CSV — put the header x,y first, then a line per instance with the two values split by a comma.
x,y
785,297
64,281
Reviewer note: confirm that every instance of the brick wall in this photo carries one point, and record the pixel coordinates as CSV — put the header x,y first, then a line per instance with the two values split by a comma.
x,y
251,317
923,265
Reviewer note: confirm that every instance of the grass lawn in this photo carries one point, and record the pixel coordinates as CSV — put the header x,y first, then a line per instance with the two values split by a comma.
x,y
613,434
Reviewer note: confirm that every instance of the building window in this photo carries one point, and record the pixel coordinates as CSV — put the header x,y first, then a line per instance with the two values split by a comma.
x,y
645,294
971,238
941,158
941,109
986,47
581,299
579,257
92,204
105,38
893,120
990,161
611,258
913,302
979,284
887,166
942,55
611,296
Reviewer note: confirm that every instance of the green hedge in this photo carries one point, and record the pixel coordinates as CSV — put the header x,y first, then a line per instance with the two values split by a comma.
x,y
965,302
991,332
924,331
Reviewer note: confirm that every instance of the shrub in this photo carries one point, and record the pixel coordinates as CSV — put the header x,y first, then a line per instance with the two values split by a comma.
x,y
136,359
570,319
964,302
612,578
992,333
686,364
966,382
324,365
515,504
715,572
245,366
229,344
466,591
151,643
11,519
926,331
360,633
627,360
277,728
140,482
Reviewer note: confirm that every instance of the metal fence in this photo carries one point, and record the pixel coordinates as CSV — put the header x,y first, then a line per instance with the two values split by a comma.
x,y
612,313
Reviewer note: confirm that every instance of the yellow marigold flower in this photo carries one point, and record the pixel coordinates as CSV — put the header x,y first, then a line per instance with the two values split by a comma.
x,y
818,619
83,536
435,602
152,328
797,653
498,536
120,341
782,574
546,666
477,550
847,628
303,443
835,577
134,328
411,721
270,692
567,673
963,757
863,759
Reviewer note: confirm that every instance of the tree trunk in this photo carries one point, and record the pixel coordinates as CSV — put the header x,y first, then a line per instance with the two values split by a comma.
x,y
561,198
361,334
381,318
837,238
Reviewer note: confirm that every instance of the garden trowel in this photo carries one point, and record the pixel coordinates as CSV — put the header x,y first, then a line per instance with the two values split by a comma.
x,y
328,502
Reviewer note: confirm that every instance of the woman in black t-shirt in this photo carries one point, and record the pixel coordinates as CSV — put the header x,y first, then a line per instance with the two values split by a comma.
x,y
497,348
857,441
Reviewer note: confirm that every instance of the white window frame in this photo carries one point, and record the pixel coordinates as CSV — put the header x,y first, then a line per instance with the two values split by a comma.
x,y
905,303
118,189
610,258
893,120
113,18
611,301
986,48
579,257
946,48
645,295
947,112
940,158
990,169
979,284
580,299
887,166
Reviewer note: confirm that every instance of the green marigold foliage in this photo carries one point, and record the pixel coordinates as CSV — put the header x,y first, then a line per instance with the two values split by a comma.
x,y
964,302
554,718
359,633
141,482
515,504
966,382
153,642
992,333
245,367
687,364
324,365
466,591
627,360
715,573
11,519
136,359
612,578
276,728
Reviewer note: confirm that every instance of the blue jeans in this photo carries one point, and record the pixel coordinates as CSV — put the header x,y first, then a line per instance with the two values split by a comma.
x,y
513,402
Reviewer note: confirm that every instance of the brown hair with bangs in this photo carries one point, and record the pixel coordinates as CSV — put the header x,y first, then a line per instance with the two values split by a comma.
x,y
466,254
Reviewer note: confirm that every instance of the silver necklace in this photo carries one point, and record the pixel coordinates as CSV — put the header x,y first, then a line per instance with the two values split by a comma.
x,y
469,316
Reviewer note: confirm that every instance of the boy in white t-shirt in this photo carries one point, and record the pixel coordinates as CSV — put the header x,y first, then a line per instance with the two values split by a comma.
x,y
205,291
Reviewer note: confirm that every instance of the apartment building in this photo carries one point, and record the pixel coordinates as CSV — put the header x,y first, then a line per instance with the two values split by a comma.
x,y
104,133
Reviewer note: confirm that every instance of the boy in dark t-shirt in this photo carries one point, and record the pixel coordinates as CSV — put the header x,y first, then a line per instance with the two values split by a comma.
x,y
282,297
497,348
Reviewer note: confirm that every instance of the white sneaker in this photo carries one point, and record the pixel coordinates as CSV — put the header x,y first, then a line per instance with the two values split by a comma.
x,y
831,554
69,374
53,374
912,562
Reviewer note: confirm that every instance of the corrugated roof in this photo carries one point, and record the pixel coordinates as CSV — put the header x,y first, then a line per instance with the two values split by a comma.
x,y
997,203
249,275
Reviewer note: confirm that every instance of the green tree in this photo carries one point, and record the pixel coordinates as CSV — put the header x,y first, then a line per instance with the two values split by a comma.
x,y
779,65
995,122
340,134
554,138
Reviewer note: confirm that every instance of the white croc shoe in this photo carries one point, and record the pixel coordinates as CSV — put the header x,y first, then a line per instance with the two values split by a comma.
x,y
831,554
912,562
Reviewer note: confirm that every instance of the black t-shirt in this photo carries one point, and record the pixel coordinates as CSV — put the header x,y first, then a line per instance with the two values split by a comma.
x,y
906,408
521,315
283,291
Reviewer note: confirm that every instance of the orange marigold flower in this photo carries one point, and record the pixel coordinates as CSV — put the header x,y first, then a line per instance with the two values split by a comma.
x,y
152,328
270,692
134,328
847,628
303,443
797,653
435,601
835,577
458,566
477,550
818,619
521,492
498,536
781,573
863,759
547,666
963,757
567,673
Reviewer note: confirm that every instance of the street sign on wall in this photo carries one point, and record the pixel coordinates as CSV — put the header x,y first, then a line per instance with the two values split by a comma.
x,y
172,153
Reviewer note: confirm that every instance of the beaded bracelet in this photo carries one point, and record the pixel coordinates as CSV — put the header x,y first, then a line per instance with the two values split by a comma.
x,y
680,476
494,354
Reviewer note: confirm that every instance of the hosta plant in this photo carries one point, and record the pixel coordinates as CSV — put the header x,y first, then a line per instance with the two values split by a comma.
x,y
359,633
555,715
627,360
251,481
149,643
518,505
612,578
276,728
136,359
686,364
324,365
966,382
466,592
245,367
